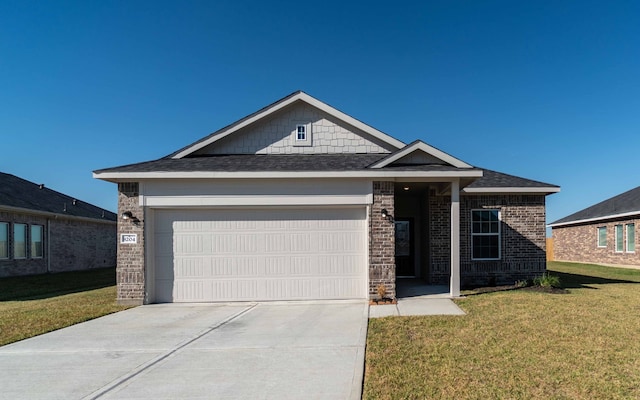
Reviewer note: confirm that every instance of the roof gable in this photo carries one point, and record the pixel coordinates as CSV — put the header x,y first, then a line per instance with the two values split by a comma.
x,y
419,152
625,204
18,193
298,99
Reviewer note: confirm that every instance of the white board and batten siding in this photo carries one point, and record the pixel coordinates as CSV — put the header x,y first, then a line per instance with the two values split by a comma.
x,y
260,254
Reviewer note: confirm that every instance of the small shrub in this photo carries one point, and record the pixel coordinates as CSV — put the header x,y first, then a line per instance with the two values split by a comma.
x,y
547,280
523,283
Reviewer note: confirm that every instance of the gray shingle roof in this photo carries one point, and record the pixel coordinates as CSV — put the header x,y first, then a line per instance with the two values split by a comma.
x,y
254,163
491,179
309,162
627,202
20,193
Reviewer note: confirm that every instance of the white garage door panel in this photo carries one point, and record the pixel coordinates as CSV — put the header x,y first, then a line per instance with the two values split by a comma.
x,y
227,255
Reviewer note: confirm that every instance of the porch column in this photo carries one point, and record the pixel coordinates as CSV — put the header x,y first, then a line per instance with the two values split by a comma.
x,y
454,288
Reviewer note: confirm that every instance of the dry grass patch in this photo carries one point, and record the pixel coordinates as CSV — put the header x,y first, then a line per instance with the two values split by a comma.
x,y
34,305
517,344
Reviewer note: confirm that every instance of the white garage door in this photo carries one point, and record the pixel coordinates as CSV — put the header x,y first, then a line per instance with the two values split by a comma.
x,y
266,254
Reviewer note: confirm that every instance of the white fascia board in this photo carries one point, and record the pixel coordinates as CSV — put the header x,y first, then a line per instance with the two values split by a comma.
x,y
371,174
421,146
595,219
278,106
53,215
512,190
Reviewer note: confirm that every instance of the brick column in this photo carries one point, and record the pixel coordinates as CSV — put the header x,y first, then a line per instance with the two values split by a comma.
x,y
130,261
382,263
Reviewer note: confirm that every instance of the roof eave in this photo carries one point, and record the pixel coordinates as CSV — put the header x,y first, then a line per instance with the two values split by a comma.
x,y
515,190
55,215
133,176
594,219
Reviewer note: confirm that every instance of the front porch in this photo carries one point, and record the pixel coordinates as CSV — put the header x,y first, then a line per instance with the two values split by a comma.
x,y
415,233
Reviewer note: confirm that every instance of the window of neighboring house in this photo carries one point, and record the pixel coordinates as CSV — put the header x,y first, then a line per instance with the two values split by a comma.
x,y
4,240
485,234
631,238
602,236
19,241
301,132
619,239
36,241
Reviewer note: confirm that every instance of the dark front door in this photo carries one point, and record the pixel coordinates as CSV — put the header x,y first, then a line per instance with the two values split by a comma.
x,y
405,265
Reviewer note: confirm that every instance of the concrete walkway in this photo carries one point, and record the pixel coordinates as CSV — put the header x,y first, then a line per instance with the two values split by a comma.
x,y
292,350
416,298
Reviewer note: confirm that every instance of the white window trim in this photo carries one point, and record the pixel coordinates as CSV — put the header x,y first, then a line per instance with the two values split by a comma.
x,y
41,241
304,126
499,234
26,242
8,232
615,230
626,234
598,245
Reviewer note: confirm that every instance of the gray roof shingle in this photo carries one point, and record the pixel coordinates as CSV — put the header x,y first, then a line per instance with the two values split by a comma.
x,y
308,162
627,202
491,179
20,193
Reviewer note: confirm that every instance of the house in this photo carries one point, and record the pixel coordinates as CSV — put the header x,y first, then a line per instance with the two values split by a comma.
x,y
302,201
605,233
44,231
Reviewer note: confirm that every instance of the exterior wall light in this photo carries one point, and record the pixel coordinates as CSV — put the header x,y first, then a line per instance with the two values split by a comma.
x,y
385,214
127,215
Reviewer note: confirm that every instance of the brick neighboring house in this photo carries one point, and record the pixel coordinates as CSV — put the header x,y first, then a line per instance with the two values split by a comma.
x,y
605,233
301,201
44,231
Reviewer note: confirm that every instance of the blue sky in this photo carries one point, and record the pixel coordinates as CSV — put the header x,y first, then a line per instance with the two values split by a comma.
x,y
546,90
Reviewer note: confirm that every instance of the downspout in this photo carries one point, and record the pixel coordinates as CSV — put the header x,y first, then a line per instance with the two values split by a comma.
x,y
48,239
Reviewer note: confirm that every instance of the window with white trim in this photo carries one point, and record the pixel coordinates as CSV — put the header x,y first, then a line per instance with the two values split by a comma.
x,y
631,238
619,239
485,234
4,240
602,236
19,241
37,249
301,132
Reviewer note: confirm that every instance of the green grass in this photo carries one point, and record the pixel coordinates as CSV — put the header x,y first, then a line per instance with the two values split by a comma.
x,y
33,305
517,344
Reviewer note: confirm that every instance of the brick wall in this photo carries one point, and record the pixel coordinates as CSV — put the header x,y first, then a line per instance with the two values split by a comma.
x,y
274,136
77,245
523,240
579,243
382,265
130,269
69,244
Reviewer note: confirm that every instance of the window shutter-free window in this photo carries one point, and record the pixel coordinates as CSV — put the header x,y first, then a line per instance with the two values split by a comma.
x,y
36,241
619,239
602,236
4,240
631,238
485,234
19,241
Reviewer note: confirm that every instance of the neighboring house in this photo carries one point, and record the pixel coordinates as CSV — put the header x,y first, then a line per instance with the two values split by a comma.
x,y
301,201
43,231
605,233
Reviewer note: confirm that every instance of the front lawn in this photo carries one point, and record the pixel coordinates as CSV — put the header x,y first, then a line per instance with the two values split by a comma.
x,y
517,344
33,305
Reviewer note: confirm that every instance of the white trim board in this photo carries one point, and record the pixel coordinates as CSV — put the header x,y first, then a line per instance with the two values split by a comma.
x,y
425,148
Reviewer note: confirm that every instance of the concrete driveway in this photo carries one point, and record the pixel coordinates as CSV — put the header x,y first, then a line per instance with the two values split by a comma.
x,y
287,350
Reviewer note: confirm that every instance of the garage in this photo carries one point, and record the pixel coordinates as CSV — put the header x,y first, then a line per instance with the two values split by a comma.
x,y
207,255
